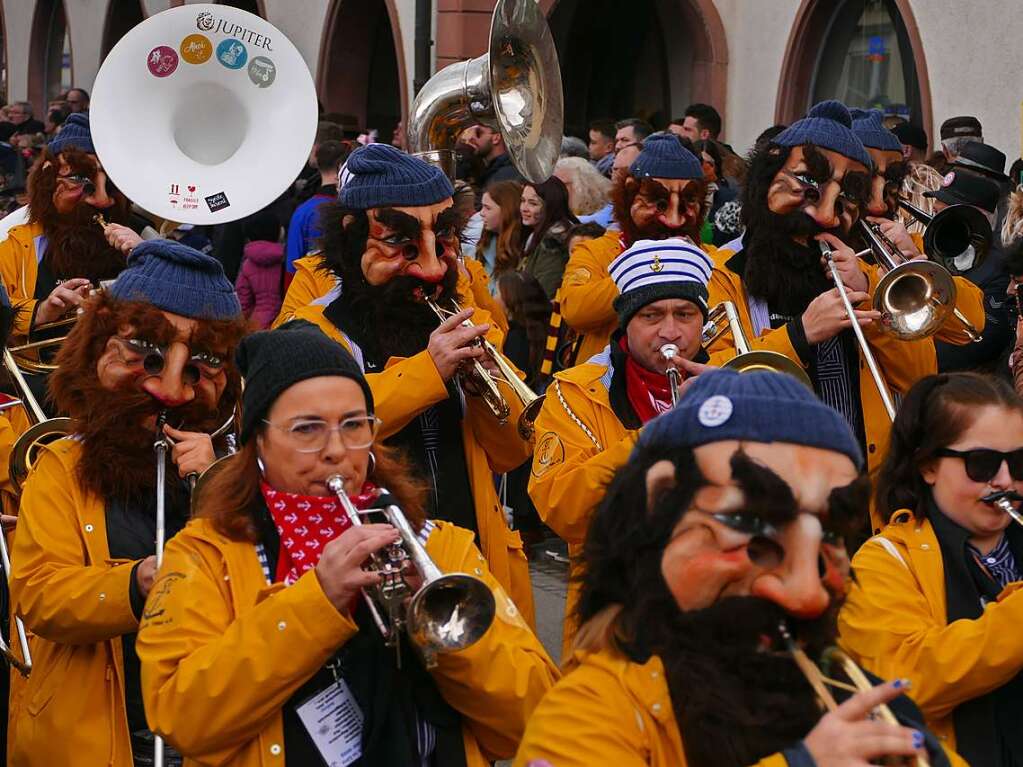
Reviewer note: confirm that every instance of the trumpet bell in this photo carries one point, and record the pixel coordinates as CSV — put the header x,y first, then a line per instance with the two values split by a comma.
x,y
953,230
529,413
915,299
26,448
771,361
450,613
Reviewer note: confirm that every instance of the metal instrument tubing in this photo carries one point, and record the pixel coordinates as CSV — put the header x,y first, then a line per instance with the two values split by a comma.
x,y
868,355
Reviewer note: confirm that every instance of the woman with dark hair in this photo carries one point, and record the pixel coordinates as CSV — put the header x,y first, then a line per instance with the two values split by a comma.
x,y
500,245
528,312
257,648
936,597
546,219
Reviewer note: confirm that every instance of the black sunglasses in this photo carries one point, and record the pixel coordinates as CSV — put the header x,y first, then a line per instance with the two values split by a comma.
x,y
982,464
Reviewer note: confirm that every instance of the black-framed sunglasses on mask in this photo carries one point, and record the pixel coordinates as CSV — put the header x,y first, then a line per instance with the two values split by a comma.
x,y
983,464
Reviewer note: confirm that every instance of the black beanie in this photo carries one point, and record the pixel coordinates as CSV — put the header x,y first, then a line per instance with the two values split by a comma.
x,y
273,360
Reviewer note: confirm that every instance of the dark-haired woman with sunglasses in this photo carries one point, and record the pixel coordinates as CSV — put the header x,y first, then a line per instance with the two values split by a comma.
x,y
937,595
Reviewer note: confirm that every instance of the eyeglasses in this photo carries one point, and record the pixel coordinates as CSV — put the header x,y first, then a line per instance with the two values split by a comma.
x,y
152,358
312,436
982,464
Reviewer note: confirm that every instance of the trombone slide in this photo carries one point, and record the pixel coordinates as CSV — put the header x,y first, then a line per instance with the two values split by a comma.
x,y
868,355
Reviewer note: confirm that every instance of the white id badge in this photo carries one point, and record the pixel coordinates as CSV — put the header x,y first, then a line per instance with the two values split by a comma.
x,y
334,721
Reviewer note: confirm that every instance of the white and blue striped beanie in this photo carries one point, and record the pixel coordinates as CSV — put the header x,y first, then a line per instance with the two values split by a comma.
x,y
652,270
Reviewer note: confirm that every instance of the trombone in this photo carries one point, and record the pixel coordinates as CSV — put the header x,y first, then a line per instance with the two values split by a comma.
x,y
951,231
724,318
915,298
868,355
479,381
449,612
858,682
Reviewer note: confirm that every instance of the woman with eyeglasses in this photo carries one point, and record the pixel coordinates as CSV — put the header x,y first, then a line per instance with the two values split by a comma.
x,y
257,647
936,596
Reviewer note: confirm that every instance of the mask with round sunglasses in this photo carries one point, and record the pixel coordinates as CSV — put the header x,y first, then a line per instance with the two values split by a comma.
x,y
313,435
983,464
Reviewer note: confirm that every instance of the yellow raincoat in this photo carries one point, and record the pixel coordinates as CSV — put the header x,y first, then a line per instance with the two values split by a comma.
x,y
308,284
610,711
19,268
408,386
894,624
572,465
587,292
215,633
75,600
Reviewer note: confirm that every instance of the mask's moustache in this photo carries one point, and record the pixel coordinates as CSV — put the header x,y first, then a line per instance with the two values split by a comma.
x,y
404,289
134,407
754,624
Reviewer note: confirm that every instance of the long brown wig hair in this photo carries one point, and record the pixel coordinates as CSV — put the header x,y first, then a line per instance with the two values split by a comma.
x,y
507,195
231,496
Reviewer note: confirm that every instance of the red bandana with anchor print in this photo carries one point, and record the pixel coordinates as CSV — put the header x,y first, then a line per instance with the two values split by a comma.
x,y
307,523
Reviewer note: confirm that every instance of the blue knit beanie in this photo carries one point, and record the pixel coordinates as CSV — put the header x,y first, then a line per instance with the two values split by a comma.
x,y
868,125
757,407
829,126
664,157
177,279
379,175
74,132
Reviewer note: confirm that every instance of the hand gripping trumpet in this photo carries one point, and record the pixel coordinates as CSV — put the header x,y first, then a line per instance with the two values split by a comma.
x,y
670,353
478,381
449,612
835,659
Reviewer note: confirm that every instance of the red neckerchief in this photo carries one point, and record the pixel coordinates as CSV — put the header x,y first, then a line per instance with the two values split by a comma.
x,y
307,523
649,393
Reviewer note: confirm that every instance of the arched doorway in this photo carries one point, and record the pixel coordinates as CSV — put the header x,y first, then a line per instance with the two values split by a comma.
x,y
662,56
50,71
122,15
362,78
866,53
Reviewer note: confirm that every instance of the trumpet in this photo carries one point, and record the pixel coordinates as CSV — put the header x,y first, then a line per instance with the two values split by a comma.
x,y
951,231
479,381
670,353
858,682
868,355
449,612
724,318
915,298
1003,501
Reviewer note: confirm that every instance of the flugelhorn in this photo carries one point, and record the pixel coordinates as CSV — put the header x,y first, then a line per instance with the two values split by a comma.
x,y
449,612
858,682
670,353
480,382
724,318
868,355
915,298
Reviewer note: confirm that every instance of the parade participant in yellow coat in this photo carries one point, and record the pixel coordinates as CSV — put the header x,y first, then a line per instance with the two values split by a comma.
x,y
887,176
937,594
159,341
49,264
808,184
593,412
661,194
311,283
720,535
393,240
255,634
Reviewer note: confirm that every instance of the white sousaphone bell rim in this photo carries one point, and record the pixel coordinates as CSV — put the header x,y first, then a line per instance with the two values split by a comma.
x,y
131,111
